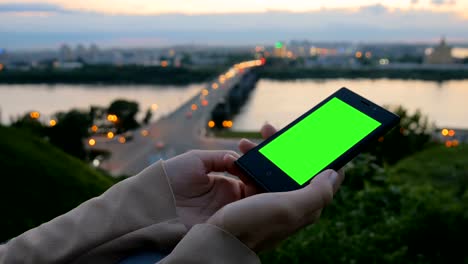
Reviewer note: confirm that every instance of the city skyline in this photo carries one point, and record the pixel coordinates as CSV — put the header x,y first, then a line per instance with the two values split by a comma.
x,y
48,24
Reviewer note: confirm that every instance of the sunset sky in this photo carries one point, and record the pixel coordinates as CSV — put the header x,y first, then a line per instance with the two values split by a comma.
x,y
240,6
44,24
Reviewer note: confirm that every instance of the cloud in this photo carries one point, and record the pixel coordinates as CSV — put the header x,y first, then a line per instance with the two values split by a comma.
x,y
375,9
443,2
31,7
368,24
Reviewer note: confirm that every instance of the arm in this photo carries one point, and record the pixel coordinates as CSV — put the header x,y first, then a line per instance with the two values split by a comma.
x,y
138,203
209,244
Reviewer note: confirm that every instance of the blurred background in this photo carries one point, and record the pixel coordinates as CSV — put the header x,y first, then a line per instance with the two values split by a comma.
x,y
92,92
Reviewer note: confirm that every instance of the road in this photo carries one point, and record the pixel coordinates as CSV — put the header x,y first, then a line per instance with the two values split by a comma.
x,y
176,131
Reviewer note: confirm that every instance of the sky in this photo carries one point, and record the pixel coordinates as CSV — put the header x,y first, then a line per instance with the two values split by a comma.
x,y
147,23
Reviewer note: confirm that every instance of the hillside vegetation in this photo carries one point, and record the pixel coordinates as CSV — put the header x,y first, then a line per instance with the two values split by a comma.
x,y
40,182
412,212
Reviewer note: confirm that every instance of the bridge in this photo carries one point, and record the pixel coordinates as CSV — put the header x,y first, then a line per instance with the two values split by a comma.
x,y
177,132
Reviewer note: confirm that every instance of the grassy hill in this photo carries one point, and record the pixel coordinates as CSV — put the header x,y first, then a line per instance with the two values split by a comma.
x,y
445,168
40,182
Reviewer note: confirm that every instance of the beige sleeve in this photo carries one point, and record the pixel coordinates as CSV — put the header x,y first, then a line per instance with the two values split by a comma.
x,y
142,202
205,243
135,214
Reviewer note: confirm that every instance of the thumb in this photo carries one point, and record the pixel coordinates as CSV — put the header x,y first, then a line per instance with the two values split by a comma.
x,y
319,192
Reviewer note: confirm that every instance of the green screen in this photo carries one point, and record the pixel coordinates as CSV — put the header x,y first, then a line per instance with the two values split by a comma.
x,y
317,140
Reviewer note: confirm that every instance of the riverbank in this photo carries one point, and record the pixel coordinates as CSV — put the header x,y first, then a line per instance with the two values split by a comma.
x,y
428,74
115,75
133,74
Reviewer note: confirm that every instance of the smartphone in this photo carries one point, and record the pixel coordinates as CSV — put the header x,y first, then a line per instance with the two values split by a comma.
x,y
326,137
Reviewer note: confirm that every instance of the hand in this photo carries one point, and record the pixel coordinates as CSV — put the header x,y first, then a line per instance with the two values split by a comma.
x,y
198,194
262,220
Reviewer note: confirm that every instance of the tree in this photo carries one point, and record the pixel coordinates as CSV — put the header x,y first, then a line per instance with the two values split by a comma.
x,y
71,129
125,112
412,135
29,123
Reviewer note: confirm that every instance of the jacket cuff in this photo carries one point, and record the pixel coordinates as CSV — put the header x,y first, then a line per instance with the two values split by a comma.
x,y
206,243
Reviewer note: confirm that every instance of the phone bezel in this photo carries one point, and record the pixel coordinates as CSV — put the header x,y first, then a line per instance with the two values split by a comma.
x,y
268,176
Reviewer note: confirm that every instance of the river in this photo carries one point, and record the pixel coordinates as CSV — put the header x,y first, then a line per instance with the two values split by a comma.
x,y
15,100
280,102
276,102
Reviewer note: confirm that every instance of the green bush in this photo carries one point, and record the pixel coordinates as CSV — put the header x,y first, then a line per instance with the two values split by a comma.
x,y
387,216
411,135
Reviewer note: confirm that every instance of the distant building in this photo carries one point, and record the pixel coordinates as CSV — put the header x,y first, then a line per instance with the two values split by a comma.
x,y
81,52
441,54
72,65
66,53
3,53
280,50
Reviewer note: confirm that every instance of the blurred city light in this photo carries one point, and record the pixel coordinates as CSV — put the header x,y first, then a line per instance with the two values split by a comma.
x,y
122,140
154,107
112,118
94,128
194,107
444,132
164,63
205,92
34,115
110,134
92,142
211,124
358,54
52,122
215,86
227,123
144,132
451,133
96,163
384,61
452,143
222,79
204,102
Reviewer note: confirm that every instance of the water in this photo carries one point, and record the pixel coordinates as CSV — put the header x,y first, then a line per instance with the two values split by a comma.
x,y
280,102
15,100
277,102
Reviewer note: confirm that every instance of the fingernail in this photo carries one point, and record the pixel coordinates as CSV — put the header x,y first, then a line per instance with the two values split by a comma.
x,y
333,177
